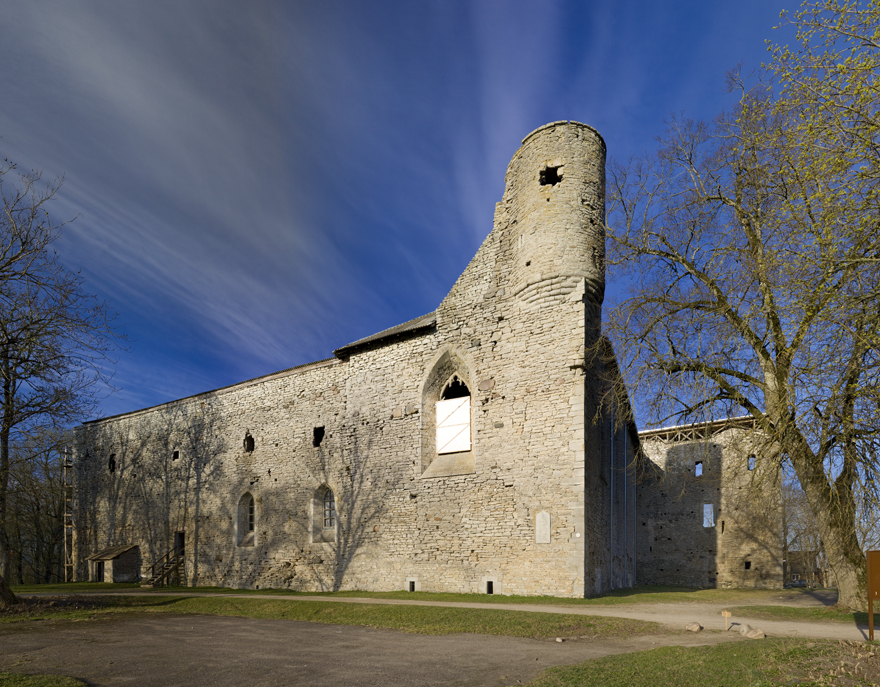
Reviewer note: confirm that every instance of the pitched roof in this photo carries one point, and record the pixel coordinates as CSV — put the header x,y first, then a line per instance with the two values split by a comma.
x,y
110,553
410,327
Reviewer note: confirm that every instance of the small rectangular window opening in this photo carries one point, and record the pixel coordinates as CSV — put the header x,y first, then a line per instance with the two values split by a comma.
x,y
175,455
490,587
317,436
748,565
708,515
251,515
412,585
752,461
722,527
698,468
111,464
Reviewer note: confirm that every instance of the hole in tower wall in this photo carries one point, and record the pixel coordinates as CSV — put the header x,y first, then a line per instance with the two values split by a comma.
x,y
549,176
248,443
317,436
111,464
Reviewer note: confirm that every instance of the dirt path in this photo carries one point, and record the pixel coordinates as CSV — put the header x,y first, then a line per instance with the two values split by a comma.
x,y
675,615
164,650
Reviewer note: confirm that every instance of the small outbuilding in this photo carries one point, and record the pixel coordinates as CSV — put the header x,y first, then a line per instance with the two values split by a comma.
x,y
115,564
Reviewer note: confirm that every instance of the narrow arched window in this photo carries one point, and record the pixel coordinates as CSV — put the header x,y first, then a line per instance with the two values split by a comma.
x,y
329,503
246,521
454,418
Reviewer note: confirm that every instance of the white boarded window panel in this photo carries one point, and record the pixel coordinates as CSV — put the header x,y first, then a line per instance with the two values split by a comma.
x,y
708,515
454,425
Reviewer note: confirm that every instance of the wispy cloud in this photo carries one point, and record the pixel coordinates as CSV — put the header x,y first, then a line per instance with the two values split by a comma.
x,y
258,183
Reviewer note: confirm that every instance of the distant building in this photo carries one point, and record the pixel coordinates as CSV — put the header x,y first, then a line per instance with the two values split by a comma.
x,y
709,510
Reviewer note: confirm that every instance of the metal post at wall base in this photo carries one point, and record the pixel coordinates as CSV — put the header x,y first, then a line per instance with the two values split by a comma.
x,y
873,588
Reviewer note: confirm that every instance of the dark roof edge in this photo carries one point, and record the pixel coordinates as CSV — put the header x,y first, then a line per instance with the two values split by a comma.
x,y
223,389
409,327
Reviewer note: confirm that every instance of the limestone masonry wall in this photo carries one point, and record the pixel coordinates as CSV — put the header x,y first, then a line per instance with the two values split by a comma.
x,y
738,542
364,425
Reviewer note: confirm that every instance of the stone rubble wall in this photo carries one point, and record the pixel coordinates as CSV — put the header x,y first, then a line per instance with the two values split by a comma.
x,y
516,327
674,547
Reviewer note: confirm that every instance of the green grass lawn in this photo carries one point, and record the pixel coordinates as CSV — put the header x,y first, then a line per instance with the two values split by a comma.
x,y
417,619
636,595
829,614
762,663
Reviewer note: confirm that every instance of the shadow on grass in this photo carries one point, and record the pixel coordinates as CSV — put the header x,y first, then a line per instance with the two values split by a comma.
x,y
807,615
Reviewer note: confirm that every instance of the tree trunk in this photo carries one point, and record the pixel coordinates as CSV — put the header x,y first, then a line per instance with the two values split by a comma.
x,y
5,557
836,525
7,598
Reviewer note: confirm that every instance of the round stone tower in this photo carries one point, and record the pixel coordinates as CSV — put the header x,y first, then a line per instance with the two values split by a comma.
x,y
554,200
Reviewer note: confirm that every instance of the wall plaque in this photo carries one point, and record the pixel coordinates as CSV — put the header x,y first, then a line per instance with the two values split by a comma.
x,y
542,528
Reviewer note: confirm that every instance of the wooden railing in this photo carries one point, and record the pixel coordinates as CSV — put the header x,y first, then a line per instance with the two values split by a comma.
x,y
165,571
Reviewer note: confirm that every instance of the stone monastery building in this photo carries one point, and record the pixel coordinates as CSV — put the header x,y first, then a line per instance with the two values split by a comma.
x,y
472,449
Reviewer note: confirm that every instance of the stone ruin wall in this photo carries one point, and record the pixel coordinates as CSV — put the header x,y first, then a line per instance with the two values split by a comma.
x,y
516,327
744,548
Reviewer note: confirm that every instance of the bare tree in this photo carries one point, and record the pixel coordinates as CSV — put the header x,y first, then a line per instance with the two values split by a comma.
x,y
55,338
36,507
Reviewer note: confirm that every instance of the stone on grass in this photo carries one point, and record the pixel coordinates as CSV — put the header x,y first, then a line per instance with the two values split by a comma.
x,y
693,627
745,629
756,634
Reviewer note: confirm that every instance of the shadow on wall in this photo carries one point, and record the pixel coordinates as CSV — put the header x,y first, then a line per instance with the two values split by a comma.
x,y
158,475
322,556
685,526
360,506
707,520
143,486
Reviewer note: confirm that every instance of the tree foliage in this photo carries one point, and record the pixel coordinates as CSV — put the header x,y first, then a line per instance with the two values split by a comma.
x,y
754,250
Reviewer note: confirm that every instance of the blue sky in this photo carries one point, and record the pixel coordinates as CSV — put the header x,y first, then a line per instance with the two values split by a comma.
x,y
256,184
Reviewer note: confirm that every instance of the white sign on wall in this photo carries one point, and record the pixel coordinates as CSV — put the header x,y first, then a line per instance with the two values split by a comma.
x,y
542,527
